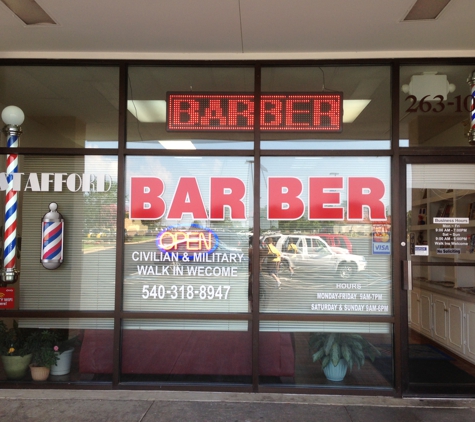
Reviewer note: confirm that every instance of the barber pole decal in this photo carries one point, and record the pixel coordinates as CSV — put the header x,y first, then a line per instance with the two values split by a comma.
x,y
52,238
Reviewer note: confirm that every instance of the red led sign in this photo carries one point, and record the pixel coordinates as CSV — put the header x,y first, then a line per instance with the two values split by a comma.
x,y
313,112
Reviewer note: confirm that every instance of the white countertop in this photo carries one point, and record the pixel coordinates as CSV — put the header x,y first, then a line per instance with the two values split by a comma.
x,y
445,291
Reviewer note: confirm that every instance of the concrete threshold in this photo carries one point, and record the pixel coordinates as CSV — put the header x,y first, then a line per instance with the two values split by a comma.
x,y
188,396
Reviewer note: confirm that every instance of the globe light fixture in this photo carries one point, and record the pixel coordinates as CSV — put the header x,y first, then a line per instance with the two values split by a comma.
x,y
13,115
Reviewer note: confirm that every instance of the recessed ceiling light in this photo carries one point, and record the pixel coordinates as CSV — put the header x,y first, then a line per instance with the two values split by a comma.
x,y
352,109
426,10
30,12
148,111
177,144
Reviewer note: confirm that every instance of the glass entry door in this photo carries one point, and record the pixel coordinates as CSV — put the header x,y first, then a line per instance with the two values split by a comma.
x,y
441,298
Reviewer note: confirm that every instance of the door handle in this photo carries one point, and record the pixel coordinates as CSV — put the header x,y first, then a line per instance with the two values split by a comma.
x,y
407,275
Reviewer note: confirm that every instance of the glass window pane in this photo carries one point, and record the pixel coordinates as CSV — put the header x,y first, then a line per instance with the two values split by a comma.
x,y
65,107
366,106
360,355
441,234
85,191
187,351
326,235
147,106
434,106
78,348
187,241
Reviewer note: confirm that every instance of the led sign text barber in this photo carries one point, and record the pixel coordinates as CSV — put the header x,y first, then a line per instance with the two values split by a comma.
x,y
313,112
285,199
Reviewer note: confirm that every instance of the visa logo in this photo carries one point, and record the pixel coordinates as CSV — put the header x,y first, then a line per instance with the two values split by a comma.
x,y
381,247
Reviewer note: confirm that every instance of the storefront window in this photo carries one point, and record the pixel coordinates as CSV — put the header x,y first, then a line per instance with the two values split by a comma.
x,y
65,107
75,340
326,236
147,124
333,354
434,106
366,107
81,275
191,300
187,229
187,351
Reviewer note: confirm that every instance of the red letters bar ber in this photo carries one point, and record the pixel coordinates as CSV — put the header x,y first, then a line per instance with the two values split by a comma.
x,y
286,198
313,112
224,112
210,112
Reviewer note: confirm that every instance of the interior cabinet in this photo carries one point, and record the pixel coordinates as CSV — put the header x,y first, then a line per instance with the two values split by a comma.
x,y
446,320
420,311
469,340
455,325
426,313
415,309
440,312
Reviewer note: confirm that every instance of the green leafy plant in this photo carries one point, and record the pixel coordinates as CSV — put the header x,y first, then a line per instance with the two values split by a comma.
x,y
43,345
13,340
67,344
331,347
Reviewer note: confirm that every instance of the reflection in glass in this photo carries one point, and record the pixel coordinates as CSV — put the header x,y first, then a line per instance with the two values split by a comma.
x,y
434,106
441,248
334,251
85,190
148,87
65,106
180,256
82,357
331,354
366,105
187,351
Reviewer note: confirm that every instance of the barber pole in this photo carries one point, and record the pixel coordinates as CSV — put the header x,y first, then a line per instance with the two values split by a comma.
x,y
13,118
11,206
471,133
52,238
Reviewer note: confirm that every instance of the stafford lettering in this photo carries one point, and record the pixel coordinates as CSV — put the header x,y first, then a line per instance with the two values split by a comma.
x,y
56,182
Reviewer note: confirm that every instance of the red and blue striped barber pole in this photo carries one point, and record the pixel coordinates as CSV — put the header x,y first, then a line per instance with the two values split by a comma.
x,y
471,133
11,206
52,238
13,117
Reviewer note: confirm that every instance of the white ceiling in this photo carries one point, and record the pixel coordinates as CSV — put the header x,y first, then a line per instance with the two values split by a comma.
x,y
238,29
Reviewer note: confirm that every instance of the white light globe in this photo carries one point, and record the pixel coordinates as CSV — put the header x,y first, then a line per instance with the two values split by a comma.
x,y
13,115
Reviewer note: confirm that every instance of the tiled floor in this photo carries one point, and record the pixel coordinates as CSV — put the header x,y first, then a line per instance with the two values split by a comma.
x,y
417,338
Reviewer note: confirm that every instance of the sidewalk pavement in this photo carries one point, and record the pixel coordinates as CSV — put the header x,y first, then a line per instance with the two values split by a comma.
x,y
165,406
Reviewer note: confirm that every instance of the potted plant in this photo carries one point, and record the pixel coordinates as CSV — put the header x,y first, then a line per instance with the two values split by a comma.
x,y
338,351
14,350
64,351
43,345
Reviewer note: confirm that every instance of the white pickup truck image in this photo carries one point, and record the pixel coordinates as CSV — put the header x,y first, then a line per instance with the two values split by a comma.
x,y
312,255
